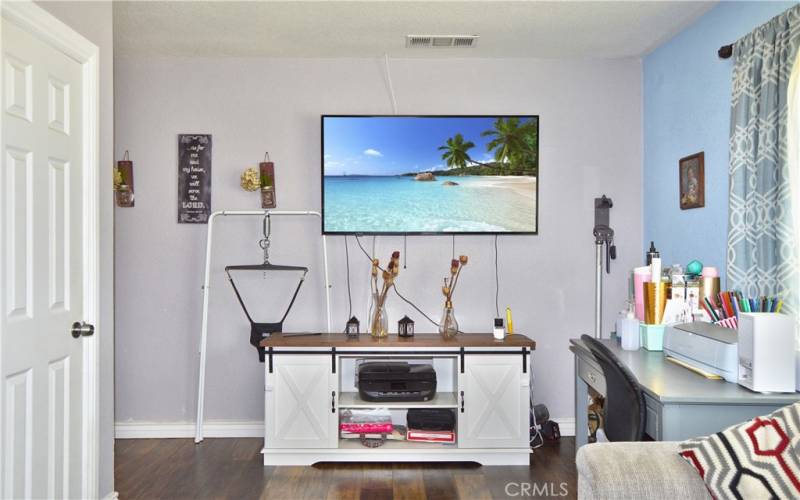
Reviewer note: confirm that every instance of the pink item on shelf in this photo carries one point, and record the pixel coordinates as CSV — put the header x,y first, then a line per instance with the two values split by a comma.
x,y
710,272
366,428
431,436
640,276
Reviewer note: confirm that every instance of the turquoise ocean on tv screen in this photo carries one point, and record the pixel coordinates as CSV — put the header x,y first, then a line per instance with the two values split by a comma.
x,y
363,204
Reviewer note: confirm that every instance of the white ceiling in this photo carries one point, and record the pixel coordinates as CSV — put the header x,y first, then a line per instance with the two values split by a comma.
x,y
332,28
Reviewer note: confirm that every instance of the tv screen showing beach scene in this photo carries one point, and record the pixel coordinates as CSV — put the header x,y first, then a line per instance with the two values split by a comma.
x,y
430,174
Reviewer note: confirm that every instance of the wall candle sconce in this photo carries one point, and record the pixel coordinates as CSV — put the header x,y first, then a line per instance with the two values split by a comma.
x,y
123,182
267,177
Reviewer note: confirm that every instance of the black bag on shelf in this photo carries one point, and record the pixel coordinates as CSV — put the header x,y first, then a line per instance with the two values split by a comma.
x,y
431,419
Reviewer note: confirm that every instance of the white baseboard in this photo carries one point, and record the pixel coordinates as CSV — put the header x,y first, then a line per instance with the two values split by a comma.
x,y
233,429
114,495
566,425
212,429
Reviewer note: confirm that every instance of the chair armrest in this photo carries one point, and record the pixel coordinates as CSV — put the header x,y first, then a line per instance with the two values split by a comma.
x,y
640,470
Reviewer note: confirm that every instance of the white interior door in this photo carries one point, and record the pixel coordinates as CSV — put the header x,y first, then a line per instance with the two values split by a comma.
x,y
494,391
301,409
48,268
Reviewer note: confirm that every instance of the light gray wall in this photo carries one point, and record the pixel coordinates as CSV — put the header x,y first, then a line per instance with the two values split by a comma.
x,y
590,144
94,20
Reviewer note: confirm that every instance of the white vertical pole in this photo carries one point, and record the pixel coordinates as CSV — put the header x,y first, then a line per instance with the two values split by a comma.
x,y
198,429
598,291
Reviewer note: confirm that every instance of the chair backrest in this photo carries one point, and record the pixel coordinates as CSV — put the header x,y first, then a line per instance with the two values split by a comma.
x,y
624,410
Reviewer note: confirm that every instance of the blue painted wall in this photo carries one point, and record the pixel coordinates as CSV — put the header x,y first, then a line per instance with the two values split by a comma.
x,y
687,91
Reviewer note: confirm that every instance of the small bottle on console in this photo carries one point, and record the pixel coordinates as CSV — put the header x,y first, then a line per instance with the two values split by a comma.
x,y
499,330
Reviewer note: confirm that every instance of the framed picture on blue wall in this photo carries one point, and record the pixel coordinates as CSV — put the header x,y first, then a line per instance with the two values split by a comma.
x,y
691,183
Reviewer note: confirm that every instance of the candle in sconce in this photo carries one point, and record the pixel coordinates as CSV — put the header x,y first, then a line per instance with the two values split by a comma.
x,y
267,177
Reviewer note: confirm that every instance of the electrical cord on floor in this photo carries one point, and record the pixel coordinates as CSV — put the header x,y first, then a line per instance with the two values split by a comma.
x,y
535,433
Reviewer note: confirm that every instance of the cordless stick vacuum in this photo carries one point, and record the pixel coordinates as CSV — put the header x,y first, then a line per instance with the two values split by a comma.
x,y
604,246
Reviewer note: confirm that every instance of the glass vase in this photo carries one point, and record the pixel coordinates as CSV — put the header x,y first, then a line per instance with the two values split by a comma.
x,y
379,320
448,327
124,196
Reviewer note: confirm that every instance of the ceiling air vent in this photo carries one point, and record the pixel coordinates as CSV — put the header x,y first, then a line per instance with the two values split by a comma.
x,y
439,41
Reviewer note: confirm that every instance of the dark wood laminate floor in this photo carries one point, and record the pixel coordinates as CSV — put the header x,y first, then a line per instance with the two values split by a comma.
x,y
232,469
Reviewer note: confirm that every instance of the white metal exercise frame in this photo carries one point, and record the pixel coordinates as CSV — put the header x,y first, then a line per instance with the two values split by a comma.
x,y
198,433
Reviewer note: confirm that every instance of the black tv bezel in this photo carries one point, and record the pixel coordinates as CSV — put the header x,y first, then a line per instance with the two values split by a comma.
x,y
423,233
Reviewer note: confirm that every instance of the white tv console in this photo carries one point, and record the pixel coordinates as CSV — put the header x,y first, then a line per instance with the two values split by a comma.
x,y
309,380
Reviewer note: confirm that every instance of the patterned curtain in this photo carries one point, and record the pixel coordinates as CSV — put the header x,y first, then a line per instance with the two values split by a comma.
x,y
762,259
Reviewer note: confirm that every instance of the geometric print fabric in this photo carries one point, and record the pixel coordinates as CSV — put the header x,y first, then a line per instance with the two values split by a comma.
x,y
753,460
761,250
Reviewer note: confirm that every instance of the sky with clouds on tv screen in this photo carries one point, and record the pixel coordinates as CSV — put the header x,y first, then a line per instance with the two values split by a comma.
x,y
397,145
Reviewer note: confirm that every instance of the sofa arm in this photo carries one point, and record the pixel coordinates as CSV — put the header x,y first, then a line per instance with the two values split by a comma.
x,y
636,470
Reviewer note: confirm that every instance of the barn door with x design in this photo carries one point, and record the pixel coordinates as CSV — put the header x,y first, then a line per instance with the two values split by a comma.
x,y
494,391
299,401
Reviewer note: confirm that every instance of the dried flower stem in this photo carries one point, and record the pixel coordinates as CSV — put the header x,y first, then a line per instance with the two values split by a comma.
x,y
449,287
392,270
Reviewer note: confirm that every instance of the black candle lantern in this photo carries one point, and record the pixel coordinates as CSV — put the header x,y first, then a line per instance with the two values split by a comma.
x,y
352,327
405,327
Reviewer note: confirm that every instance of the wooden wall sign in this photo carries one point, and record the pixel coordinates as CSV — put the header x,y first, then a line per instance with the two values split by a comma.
x,y
194,178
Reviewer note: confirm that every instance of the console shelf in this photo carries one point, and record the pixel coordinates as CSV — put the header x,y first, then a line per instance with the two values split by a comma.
x,y
441,400
391,445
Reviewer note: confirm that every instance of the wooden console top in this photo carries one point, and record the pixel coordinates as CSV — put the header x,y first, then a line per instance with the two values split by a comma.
x,y
393,340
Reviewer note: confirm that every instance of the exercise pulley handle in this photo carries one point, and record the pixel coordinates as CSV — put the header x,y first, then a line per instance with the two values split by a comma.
x,y
266,230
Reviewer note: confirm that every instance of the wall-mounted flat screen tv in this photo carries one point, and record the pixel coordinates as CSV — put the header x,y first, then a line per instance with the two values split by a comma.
x,y
430,174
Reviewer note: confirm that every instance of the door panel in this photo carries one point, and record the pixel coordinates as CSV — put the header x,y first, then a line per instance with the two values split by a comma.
x,y
42,294
495,401
299,403
59,244
58,432
18,434
19,223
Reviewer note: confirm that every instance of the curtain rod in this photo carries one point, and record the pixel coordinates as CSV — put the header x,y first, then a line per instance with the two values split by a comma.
x,y
725,52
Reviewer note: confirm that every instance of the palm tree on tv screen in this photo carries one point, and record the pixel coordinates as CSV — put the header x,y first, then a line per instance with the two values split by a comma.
x,y
513,142
514,145
456,151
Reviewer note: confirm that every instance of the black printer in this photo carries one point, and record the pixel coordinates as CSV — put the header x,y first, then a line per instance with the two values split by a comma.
x,y
386,381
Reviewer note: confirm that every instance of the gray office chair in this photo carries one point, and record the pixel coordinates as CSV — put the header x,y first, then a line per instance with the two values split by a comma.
x,y
624,410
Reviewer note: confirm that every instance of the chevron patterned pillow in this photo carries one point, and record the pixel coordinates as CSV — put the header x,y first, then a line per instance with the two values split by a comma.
x,y
755,459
